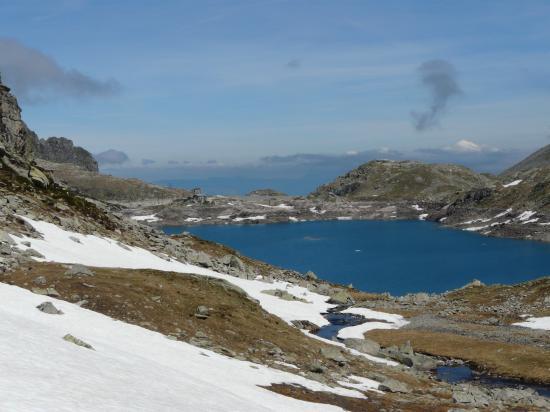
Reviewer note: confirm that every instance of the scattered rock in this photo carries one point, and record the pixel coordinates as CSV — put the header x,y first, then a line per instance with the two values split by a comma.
x,y
367,346
316,367
310,275
47,292
306,325
283,294
202,312
202,259
40,281
49,308
70,338
333,354
5,238
79,270
393,385
341,298
473,284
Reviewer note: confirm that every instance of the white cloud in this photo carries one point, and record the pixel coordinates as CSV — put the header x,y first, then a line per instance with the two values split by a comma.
x,y
465,146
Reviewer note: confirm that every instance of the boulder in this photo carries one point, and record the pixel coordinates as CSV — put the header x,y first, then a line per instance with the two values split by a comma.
x,y
306,325
367,346
70,338
393,385
5,238
202,312
39,177
334,354
49,308
40,281
79,270
341,298
283,294
310,275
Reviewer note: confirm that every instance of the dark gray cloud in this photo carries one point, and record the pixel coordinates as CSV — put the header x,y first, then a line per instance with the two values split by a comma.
x,y
111,157
440,78
36,77
146,162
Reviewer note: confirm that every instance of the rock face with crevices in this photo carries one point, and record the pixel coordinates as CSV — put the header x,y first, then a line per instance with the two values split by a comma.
x,y
15,137
62,150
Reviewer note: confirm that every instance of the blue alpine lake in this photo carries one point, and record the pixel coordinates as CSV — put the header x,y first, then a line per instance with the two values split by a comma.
x,y
385,256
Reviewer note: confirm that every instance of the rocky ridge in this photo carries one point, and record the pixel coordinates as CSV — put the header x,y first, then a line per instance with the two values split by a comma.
x,y
62,150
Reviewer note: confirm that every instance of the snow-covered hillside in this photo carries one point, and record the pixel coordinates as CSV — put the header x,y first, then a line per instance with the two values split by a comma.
x,y
130,368
58,245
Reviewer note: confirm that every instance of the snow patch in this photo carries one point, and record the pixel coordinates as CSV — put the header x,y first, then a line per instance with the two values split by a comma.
x,y
535,323
423,216
193,219
514,183
476,228
416,207
390,321
360,383
344,218
146,218
503,213
240,219
317,212
526,215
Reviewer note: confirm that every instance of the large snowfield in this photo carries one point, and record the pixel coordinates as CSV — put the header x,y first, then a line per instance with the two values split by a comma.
x,y
133,368
130,368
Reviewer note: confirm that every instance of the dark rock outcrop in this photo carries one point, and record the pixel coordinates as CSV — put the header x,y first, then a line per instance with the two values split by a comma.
x,y
62,150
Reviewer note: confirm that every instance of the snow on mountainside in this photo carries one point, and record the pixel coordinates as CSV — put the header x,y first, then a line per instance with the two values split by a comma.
x,y
58,245
129,368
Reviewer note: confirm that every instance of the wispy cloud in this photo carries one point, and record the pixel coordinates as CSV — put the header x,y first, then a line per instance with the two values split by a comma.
x,y
36,77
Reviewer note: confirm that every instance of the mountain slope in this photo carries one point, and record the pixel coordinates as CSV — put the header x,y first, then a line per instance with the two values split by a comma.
x,y
540,158
403,180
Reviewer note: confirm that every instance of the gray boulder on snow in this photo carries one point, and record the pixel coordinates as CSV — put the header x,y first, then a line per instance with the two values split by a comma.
x,y
49,308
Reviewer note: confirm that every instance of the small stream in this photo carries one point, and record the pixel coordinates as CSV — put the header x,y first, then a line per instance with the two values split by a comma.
x,y
448,373
463,373
338,321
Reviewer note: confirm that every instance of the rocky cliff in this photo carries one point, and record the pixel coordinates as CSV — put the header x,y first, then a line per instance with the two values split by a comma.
x,y
17,141
403,180
62,150
15,137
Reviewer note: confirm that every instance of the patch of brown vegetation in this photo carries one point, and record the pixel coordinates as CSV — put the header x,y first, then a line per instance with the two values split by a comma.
x,y
503,359
373,403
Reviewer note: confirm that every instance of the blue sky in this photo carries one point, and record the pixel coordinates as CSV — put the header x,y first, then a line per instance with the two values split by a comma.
x,y
236,81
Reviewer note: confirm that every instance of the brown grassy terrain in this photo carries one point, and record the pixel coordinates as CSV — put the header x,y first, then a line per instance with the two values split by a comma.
x,y
514,361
